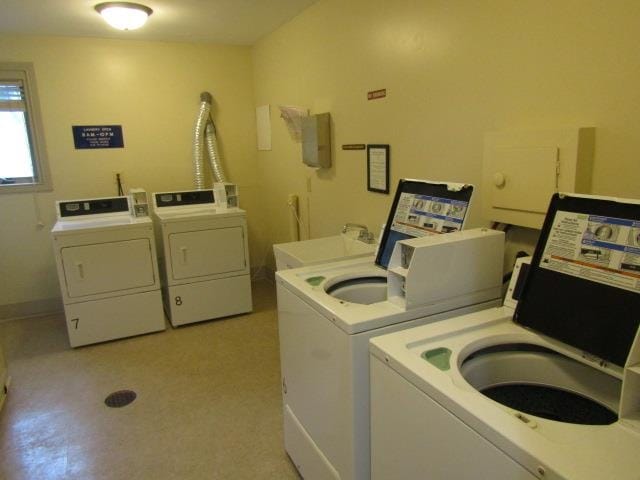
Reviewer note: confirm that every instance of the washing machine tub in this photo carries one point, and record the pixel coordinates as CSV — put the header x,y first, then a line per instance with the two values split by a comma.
x,y
361,290
544,383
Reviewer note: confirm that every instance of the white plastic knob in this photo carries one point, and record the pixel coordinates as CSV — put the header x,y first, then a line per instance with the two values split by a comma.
x,y
499,179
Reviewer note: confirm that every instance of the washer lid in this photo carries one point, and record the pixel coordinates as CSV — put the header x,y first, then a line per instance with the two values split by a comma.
x,y
583,287
423,207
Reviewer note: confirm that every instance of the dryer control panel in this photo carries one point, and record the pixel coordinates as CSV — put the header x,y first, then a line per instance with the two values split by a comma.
x,y
179,199
67,209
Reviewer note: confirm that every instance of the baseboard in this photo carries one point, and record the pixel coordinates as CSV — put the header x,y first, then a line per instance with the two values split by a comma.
x,y
34,308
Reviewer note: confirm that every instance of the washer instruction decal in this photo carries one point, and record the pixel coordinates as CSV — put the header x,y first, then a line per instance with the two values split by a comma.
x,y
600,249
420,215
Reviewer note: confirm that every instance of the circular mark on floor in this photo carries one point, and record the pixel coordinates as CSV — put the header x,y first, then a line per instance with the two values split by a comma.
x,y
121,398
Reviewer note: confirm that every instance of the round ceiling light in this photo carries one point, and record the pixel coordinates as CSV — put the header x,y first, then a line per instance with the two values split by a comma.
x,y
124,15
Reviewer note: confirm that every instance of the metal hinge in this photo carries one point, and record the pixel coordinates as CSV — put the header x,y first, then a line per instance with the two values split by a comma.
x,y
593,359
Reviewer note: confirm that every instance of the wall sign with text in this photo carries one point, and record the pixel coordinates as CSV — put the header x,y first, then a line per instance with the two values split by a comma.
x,y
378,168
97,136
376,94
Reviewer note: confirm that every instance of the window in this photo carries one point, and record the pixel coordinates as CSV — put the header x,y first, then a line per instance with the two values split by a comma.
x,y
23,164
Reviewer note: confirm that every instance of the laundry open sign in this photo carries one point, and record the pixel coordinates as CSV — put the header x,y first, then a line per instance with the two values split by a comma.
x,y
97,136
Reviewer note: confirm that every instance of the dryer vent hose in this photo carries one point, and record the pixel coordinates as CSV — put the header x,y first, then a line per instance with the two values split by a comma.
x,y
205,133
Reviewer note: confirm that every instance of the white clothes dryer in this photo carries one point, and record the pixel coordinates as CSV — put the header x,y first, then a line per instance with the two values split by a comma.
x,y
204,256
546,386
327,314
108,271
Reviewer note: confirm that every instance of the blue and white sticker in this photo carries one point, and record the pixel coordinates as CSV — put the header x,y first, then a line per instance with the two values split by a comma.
x,y
421,215
600,249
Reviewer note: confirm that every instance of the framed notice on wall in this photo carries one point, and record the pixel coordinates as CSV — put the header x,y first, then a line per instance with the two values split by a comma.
x,y
378,168
97,136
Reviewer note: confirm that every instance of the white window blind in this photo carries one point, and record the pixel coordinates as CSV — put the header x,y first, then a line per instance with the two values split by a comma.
x,y
23,164
12,98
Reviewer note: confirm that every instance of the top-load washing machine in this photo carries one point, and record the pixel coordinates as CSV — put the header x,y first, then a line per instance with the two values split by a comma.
x,y
108,271
327,314
546,386
204,254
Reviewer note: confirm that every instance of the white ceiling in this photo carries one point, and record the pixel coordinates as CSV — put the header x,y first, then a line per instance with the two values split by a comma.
x,y
240,22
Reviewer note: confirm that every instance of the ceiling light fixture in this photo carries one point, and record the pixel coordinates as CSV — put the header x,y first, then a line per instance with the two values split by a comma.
x,y
124,15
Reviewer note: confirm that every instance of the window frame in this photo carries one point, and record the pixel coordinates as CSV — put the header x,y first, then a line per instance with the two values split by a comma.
x,y
41,181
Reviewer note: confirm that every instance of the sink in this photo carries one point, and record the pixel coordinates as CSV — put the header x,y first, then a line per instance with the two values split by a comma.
x,y
320,250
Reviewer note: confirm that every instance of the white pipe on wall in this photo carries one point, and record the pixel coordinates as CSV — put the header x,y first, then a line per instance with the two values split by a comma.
x,y
205,134
294,232
198,151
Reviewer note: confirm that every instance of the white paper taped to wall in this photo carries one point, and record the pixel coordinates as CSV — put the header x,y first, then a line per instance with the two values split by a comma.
x,y
293,118
263,127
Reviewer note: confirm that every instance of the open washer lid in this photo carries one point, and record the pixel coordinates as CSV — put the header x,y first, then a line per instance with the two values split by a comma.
x,y
423,207
583,287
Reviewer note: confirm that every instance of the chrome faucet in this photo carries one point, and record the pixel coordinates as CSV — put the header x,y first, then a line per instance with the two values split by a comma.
x,y
364,235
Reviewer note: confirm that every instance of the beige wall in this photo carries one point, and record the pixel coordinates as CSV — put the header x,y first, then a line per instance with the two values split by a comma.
x,y
150,88
453,70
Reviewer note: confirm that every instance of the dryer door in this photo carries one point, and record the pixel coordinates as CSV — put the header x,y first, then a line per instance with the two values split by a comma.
x,y
207,252
107,267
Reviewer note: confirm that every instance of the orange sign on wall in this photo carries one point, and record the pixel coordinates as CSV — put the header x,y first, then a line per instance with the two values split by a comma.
x,y
375,94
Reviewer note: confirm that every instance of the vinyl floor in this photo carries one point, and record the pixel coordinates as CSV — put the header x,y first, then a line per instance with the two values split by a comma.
x,y
208,402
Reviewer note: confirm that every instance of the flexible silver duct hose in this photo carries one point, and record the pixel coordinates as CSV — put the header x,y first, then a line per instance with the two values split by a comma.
x,y
214,155
198,153
205,131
